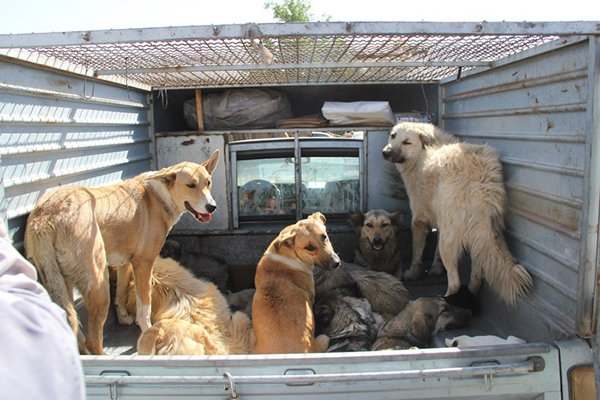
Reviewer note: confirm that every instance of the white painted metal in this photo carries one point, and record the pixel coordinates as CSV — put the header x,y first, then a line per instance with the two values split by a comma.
x,y
588,285
197,148
533,111
57,128
34,40
277,54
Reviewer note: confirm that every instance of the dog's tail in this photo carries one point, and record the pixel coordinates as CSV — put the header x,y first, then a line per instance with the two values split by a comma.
x,y
40,251
240,334
490,253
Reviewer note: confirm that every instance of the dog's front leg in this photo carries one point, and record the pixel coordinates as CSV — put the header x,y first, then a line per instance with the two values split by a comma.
x,y
419,234
142,274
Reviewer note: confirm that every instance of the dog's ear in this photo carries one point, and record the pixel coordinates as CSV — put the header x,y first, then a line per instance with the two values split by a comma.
x,y
426,140
318,217
169,179
420,329
285,238
211,163
357,219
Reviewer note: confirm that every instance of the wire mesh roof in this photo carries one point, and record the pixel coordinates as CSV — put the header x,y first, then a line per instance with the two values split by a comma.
x,y
290,54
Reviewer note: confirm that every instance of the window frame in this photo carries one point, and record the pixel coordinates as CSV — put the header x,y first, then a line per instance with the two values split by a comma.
x,y
295,145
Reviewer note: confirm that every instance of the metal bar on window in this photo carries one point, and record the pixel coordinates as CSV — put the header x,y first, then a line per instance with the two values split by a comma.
x,y
298,175
234,191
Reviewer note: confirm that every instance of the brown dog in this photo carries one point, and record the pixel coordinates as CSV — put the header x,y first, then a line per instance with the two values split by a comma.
x,y
282,314
74,232
418,322
378,242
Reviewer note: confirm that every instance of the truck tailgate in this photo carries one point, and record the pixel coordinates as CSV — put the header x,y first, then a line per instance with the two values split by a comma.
x,y
514,371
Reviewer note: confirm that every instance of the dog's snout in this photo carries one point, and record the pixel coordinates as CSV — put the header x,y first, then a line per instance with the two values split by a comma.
x,y
336,262
211,207
377,240
387,151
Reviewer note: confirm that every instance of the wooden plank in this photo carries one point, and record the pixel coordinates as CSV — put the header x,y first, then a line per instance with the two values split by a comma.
x,y
199,113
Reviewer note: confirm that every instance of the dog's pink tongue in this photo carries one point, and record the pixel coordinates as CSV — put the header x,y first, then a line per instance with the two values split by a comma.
x,y
205,217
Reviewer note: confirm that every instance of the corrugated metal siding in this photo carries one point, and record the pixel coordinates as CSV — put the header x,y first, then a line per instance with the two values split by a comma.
x,y
534,113
61,129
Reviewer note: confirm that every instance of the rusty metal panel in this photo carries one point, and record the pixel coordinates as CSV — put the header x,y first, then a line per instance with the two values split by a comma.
x,y
197,148
58,129
534,113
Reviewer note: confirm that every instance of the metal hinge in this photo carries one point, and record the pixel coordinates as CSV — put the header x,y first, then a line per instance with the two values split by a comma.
x,y
230,387
113,388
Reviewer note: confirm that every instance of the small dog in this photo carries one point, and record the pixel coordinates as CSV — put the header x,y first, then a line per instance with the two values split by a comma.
x,y
349,322
75,232
190,316
378,248
385,293
241,301
418,322
282,313
459,189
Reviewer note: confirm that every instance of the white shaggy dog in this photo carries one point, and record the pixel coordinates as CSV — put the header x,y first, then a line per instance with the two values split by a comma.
x,y
458,188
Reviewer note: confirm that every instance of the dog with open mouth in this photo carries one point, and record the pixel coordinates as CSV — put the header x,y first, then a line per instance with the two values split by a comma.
x,y
378,243
282,309
73,233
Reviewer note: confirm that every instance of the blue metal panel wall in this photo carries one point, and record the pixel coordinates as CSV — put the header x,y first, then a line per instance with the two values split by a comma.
x,y
384,184
62,129
533,111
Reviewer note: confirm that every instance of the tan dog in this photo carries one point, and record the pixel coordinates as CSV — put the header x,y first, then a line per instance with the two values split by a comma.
x,y
190,316
378,249
418,322
282,314
74,232
459,188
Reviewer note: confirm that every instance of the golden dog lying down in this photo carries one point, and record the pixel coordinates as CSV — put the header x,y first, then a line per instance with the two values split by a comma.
x,y
190,316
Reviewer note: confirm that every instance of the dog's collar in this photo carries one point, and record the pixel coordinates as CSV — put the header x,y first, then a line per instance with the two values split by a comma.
x,y
292,263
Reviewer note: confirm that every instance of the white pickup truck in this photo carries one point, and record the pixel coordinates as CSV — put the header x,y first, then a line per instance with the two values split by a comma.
x,y
95,107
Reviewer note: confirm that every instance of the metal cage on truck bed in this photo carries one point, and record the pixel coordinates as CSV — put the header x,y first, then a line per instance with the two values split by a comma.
x,y
78,108
288,54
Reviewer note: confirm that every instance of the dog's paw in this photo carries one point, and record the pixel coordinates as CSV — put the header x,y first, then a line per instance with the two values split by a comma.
x,y
413,273
321,343
124,317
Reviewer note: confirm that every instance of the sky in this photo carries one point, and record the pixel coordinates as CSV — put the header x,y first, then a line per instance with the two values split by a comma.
x,y
24,16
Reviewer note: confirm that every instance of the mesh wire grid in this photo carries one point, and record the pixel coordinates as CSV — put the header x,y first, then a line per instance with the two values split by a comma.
x,y
292,60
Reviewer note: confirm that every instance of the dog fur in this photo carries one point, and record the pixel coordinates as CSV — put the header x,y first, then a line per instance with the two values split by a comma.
x,y
74,232
190,316
386,293
378,245
418,322
349,322
459,189
282,313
